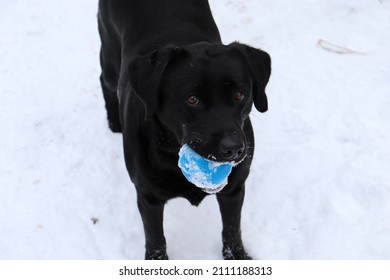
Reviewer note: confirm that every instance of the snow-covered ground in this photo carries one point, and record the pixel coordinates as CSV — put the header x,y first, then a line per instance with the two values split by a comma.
x,y
320,183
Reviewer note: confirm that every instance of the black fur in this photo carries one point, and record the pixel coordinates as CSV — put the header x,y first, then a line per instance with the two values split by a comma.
x,y
154,55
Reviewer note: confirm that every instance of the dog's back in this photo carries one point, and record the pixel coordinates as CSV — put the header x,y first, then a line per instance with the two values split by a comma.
x,y
147,25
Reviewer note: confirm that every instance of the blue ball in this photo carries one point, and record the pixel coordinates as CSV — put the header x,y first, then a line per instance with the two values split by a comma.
x,y
210,176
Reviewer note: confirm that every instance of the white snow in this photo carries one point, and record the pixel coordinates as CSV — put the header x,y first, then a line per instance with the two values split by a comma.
x,y
320,182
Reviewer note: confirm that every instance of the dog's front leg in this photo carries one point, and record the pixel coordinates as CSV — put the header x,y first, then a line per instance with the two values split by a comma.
x,y
230,206
152,212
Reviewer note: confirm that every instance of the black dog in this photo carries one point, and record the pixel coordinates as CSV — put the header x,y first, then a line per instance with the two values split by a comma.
x,y
168,81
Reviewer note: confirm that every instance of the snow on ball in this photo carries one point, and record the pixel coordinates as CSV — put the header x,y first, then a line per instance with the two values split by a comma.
x,y
208,175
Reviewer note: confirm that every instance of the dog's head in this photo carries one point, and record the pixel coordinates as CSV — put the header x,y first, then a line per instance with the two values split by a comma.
x,y
203,94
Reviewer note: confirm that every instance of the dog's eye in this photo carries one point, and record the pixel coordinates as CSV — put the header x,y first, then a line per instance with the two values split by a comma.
x,y
239,96
192,100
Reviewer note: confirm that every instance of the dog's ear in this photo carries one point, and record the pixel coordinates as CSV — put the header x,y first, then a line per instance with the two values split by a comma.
x,y
260,65
145,73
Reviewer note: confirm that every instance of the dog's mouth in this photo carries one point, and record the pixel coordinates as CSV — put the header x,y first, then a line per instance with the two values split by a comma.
x,y
223,147
208,175
216,157
234,162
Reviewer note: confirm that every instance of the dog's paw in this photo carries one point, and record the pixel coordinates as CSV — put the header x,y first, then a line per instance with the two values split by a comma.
x,y
115,126
235,253
156,255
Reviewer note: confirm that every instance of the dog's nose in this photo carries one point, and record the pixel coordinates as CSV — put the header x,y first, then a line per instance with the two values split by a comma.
x,y
231,149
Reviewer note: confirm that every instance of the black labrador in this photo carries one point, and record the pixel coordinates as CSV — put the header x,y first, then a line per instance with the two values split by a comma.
x,y
167,81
